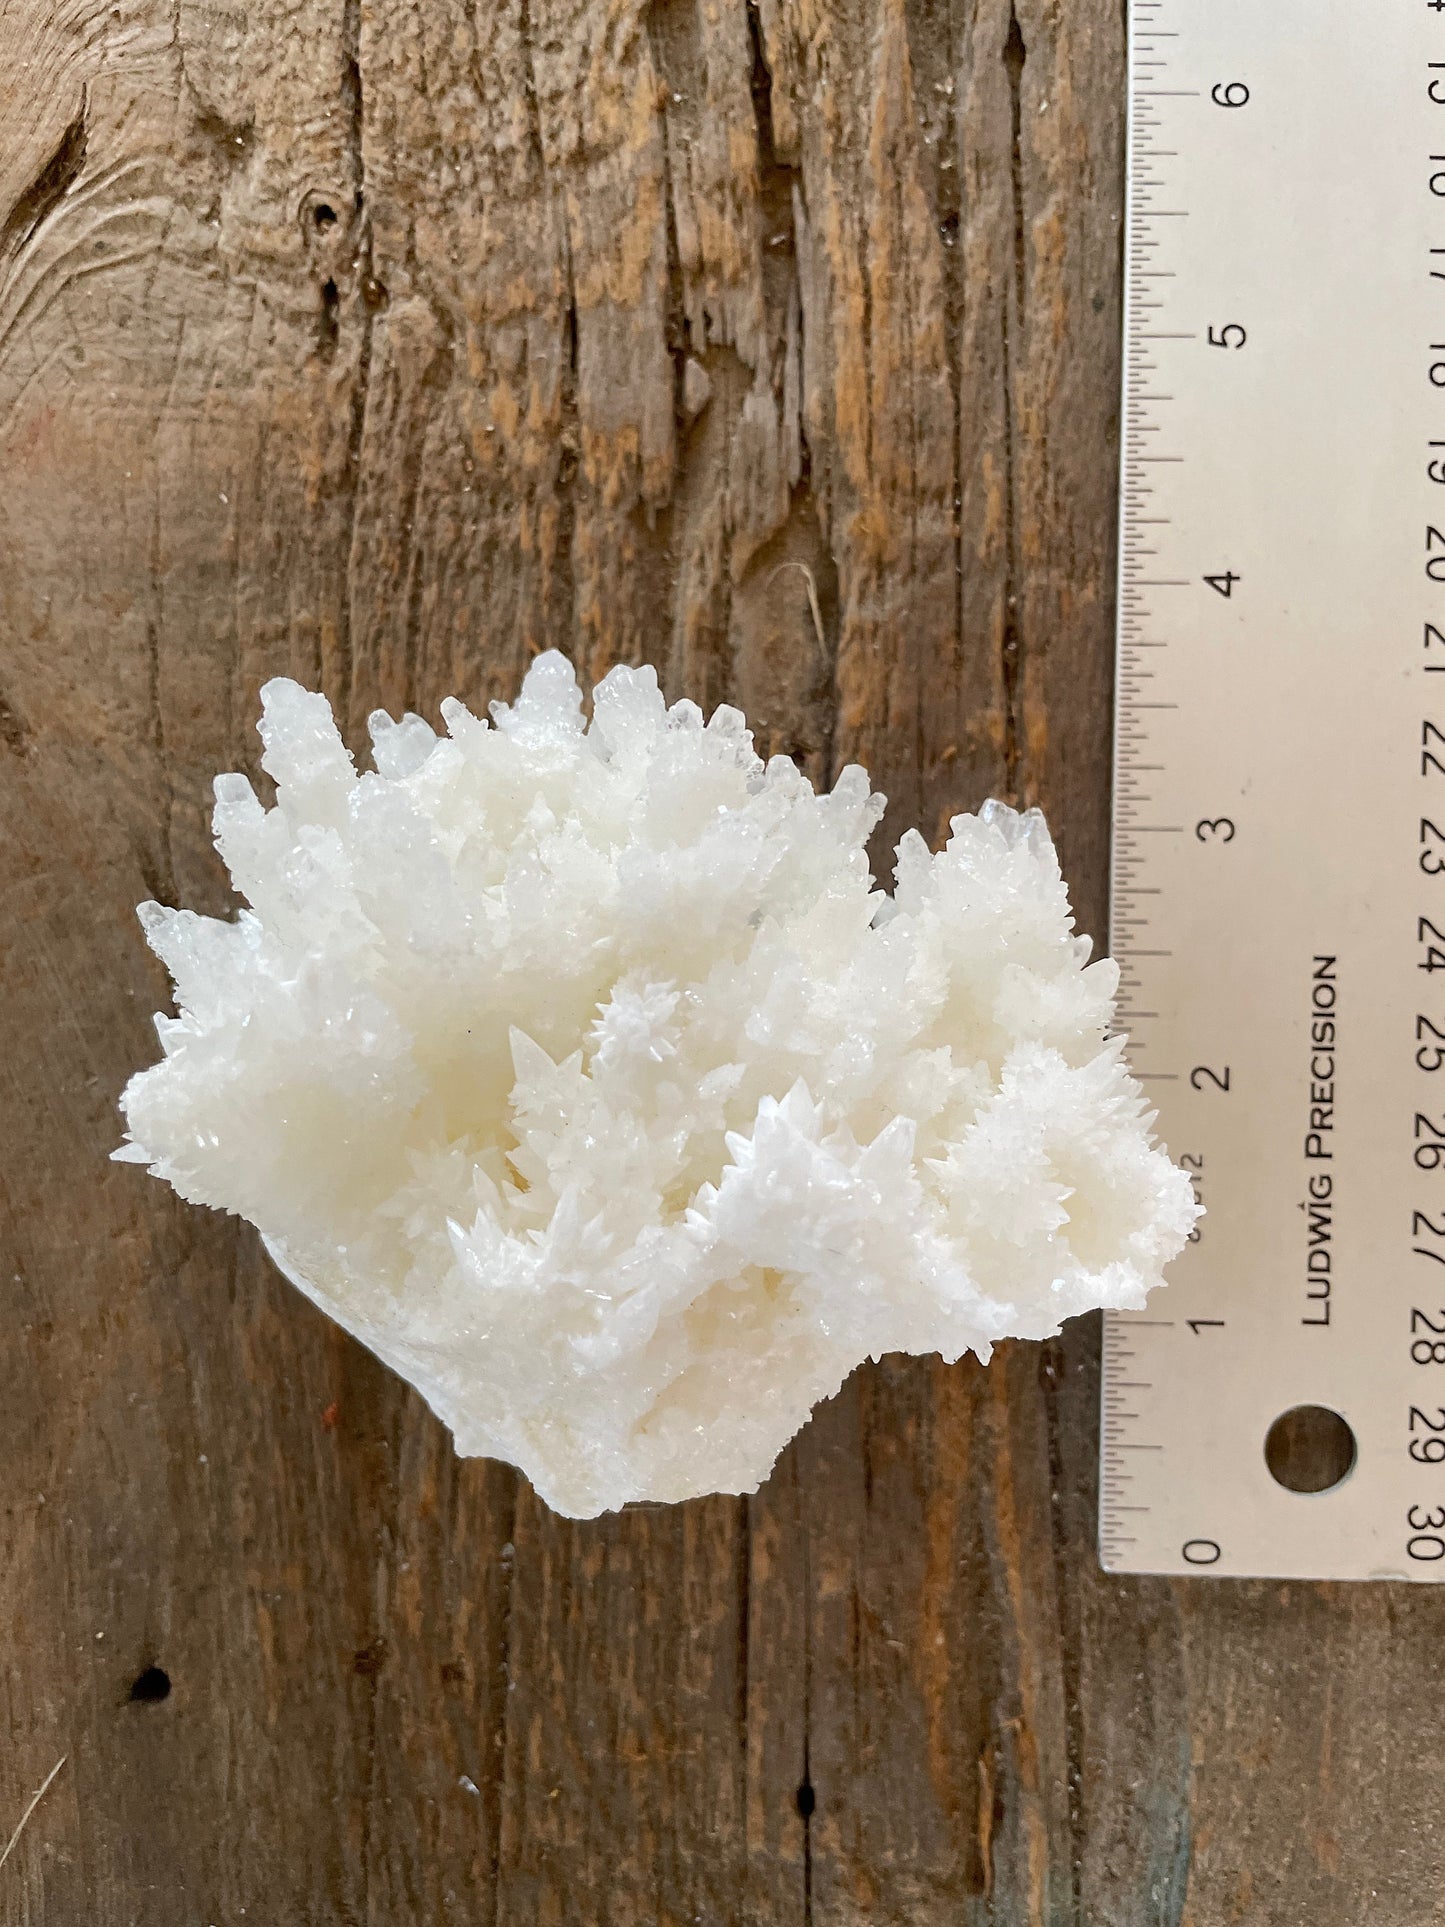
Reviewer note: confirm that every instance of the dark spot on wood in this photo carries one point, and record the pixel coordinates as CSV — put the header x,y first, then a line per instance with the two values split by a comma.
x,y
806,1799
328,323
13,733
1015,53
229,140
150,1686
367,1661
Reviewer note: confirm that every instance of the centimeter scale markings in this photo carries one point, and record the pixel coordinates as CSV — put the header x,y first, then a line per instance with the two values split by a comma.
x,y
1279,842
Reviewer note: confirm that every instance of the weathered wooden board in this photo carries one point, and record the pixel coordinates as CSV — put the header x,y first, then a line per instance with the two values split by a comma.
x,y
384,345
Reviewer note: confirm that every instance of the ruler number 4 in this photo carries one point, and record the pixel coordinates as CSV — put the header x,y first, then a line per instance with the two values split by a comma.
x,y
1223,584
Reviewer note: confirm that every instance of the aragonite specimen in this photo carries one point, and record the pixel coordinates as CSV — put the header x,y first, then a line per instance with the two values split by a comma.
x,y
582,1073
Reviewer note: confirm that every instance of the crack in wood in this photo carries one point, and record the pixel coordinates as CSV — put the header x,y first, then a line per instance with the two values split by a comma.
x,y
1014,55
353,106
40,198
1051,1364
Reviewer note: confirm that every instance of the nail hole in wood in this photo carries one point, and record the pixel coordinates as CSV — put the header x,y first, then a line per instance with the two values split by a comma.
x,y
151,1686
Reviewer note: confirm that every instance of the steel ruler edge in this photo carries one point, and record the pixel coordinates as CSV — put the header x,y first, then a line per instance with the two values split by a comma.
x,y
1278,889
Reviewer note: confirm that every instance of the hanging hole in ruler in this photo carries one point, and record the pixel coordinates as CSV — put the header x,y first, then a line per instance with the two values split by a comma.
x,y
1310,1449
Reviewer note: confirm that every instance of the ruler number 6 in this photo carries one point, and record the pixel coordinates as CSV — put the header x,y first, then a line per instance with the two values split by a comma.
x,y
1229,93
1220,1080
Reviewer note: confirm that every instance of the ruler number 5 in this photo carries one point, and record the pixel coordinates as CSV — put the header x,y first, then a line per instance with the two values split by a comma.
x,y
1231,335
1229,93
1219,1080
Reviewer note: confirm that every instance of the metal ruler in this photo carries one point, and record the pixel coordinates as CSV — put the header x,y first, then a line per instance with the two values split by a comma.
x,y
1279,840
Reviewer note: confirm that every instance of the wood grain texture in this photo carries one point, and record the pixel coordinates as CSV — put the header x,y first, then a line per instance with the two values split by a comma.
x,y
384,346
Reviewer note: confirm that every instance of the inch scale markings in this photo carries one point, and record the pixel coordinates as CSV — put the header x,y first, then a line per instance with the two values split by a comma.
x,y
1278,909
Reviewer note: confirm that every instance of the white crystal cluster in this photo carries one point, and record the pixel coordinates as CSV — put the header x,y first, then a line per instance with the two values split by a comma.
x,y
582,1073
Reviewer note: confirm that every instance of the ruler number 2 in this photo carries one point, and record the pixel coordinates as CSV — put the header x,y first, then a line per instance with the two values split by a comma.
x,y
1220,1080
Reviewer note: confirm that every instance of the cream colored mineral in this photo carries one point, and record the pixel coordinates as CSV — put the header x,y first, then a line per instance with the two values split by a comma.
x,y
583,1074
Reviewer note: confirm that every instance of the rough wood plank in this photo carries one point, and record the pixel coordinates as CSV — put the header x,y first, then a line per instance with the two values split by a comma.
x,y
776,344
